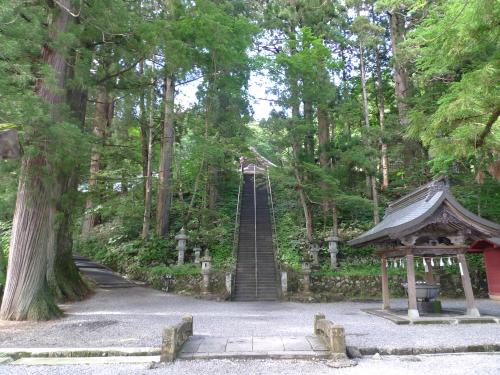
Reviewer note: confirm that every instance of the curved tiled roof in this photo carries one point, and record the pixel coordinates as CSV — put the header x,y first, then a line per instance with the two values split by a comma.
x,y
412,209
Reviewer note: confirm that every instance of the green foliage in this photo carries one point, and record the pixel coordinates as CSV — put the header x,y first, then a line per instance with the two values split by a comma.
x,y
5,230
183,270
456,49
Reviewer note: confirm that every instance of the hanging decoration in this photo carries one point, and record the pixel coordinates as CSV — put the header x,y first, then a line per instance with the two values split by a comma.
x,y
441,263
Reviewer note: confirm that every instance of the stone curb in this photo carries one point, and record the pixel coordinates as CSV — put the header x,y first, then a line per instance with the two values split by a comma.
x,y
304,355
38,361
485,348
17,353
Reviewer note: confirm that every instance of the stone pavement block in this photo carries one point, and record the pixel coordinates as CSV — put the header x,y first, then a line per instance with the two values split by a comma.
x,y
297,354
192,344
266,344
316,343
213,345
239,344
35,361
296,343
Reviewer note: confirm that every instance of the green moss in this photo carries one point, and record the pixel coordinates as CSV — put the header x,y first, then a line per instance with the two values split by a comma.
x,y
43,307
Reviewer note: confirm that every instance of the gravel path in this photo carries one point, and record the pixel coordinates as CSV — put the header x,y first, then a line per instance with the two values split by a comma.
x,y
468,364
135,317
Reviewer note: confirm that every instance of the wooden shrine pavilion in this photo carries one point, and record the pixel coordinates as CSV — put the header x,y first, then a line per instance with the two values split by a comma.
x,y
428,224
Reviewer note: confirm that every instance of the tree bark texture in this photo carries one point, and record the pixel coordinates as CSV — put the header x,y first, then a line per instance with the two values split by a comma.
x,y
305,206
401,79
213,177
144,133
103,117
65,281
149,173
363,85
323,136
376,217
195,192
381,117
324,158
26,294
166,155
308,118
297,151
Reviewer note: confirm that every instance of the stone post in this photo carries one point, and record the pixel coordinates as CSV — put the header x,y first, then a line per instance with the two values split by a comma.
x,y
206,266
317,318
314,250
386,304
181,245
284,283
306,280
229,282
197,255
333,249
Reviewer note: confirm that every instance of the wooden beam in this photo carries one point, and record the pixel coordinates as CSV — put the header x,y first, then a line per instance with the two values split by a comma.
x,y
466,283
440,250
386,304
412,292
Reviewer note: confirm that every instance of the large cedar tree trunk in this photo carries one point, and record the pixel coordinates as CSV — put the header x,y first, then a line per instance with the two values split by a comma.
x,y
371,181
27,295
401,79
144,133
149,172
64,278
166,155
103,117
381,117
302,195
308,118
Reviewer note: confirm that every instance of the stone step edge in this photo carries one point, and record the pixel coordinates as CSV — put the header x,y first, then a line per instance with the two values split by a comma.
x,y
291,354
57,361
17,353
353,351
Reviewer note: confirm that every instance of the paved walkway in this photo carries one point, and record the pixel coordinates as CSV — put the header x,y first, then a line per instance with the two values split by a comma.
x,y
470,364
209,347
135,317
102,275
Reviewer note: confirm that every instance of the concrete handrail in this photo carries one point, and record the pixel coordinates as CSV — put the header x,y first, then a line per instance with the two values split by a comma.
x,y
174,337
332,334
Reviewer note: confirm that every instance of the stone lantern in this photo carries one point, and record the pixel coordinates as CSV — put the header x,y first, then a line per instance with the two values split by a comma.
x,y
314,250
181,245
197,255
206,266
333,249
306,279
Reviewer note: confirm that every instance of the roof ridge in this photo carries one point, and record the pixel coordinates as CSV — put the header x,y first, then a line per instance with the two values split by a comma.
x,y
428,190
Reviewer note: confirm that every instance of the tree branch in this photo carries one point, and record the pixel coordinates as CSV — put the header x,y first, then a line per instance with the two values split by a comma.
x,y
493,118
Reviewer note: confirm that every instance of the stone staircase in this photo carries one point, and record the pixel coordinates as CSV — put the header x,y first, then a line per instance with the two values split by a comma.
x,y
256,270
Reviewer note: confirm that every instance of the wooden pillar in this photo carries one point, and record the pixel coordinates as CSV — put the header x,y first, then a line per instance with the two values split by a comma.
x,y
429,277
466,283
386,305
412,293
